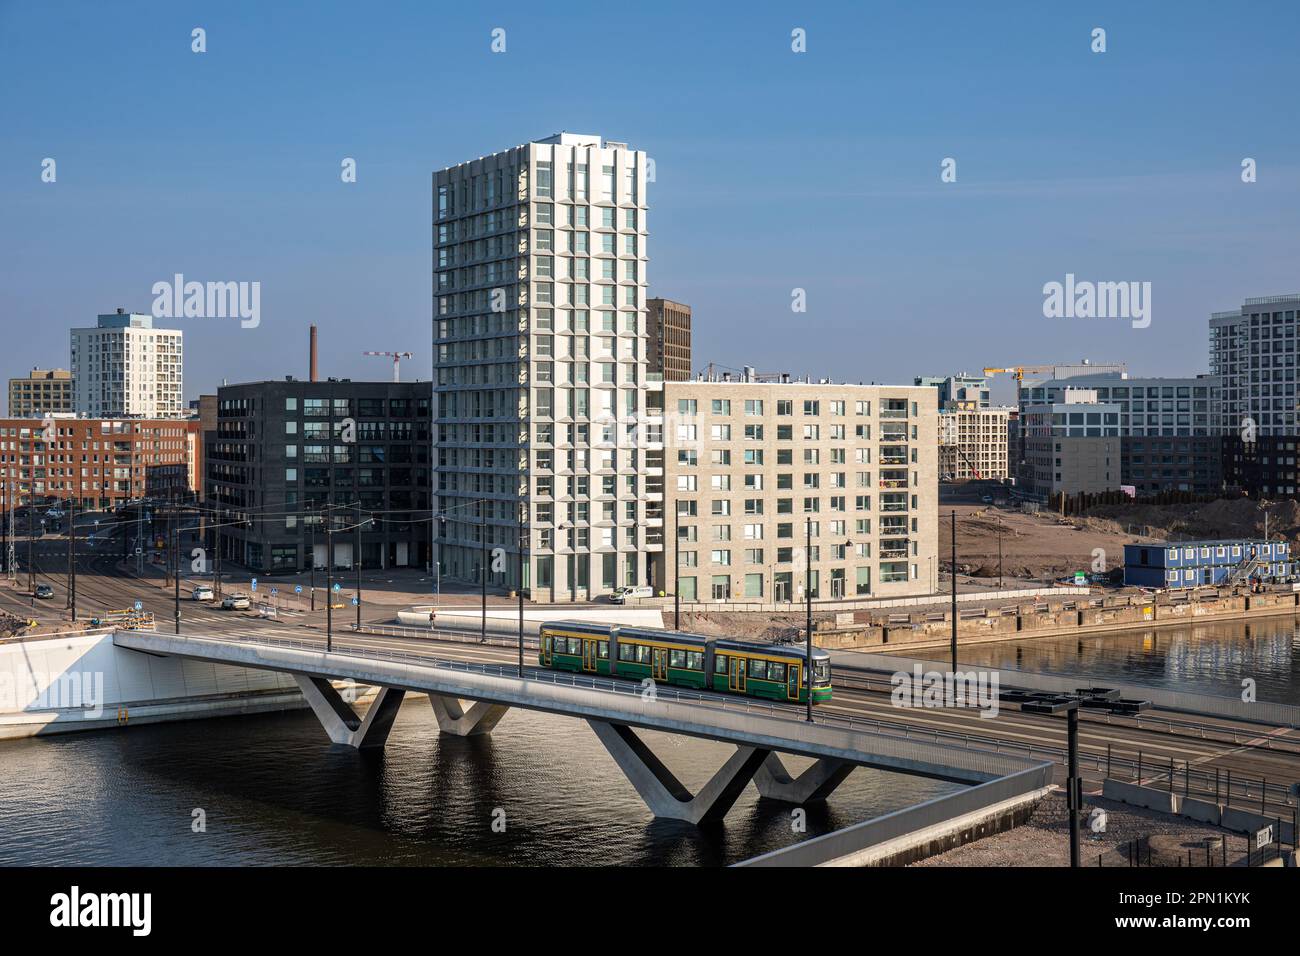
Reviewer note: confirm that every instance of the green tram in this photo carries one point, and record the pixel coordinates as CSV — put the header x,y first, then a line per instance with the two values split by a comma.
x,y
685,660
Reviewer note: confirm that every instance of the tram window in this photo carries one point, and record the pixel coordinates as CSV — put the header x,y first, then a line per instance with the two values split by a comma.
x,y
643,653
626,652
775,671
695,660
575,645
602,650
720,664
676,658
757,668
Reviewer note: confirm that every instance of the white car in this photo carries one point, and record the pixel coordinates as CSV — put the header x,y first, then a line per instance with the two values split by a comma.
x,y
203,593
621,595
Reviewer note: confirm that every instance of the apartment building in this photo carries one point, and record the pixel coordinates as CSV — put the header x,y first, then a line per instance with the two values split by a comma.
x,y
752,466
547,416
285,456
973,441
1167,428
125,368
668,332
964,388
97,463
1253,353
41,392
1072,446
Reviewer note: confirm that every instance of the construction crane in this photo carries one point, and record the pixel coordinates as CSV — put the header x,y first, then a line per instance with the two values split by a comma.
x,y
1019,371
397,361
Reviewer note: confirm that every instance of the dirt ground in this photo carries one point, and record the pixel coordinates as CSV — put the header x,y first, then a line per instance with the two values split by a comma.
x,y
1045,840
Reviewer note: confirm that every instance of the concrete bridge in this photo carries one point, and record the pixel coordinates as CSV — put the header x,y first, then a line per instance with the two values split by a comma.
x,y
470,698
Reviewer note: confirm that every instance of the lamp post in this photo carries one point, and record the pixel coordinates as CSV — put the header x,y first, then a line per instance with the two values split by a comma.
x,y
311,562
72,558
999,559
520,585
954,592
807,586
483,568
176,579
358,564
329,580
677,569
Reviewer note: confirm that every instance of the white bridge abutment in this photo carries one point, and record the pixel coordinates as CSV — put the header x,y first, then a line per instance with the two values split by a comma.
x,y
466,718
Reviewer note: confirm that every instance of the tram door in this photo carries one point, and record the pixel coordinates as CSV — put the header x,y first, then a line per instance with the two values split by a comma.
x,y
792,682
659,663
589,656
736,673
546,650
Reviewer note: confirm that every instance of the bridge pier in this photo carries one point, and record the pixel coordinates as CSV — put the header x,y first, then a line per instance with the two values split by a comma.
x,y
662,792
341,722
460,720
814,784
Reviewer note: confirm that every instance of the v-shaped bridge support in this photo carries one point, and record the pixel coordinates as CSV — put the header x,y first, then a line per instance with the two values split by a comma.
x,y
341,722
666,797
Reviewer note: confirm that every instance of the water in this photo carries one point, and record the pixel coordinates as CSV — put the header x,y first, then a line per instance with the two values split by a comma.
x,y
1211,658
274,791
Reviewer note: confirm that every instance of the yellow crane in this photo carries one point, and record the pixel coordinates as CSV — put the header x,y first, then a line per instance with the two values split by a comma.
x,y
1019,371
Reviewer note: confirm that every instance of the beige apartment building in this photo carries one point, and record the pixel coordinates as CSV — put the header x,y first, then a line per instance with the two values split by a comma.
x,y
752,467
42,392
973,441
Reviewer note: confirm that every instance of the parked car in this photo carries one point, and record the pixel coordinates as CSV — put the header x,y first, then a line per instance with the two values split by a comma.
x,y
235,602
203,593
44,591
621,595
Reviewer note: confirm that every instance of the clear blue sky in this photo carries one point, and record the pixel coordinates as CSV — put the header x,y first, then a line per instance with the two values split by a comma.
x,y
775,170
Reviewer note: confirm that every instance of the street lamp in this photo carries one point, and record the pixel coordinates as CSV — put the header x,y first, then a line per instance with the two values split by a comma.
x,y
954,592
520,585
677,568
807,586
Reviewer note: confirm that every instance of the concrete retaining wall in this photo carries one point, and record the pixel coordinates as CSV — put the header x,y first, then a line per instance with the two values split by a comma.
x,y
1230,818
84,682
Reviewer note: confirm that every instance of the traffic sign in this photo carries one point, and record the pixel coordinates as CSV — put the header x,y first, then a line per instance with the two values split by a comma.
x,y
356,601
337,587
297,589
254,584
139,605
274,591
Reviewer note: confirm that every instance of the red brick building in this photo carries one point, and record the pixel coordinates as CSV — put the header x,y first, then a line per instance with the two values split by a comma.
x,y
99,463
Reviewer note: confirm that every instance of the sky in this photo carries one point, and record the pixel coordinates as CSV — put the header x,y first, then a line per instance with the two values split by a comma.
x,y
776,170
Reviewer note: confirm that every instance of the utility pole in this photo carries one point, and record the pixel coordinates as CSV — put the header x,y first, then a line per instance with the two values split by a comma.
x,y
358,564
520,586
483,567
954,592
31,559
311,562
176,579
677,569
999,559
72,558
1073,782
329,581
807,586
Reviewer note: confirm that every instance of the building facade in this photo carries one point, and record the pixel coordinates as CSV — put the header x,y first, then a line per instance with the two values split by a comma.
x,y
1253,353
964,388
288,459
42,392
750,465
1073,446
548,420
1190,564
125,368
973,441
97,463
668,333
1168,437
